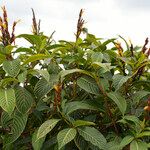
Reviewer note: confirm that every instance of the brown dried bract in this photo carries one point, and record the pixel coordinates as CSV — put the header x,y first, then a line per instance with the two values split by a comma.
x,y
35,25
6,37
80,24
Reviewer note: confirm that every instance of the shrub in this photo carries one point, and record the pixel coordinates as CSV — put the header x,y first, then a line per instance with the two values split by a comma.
x,y
89,94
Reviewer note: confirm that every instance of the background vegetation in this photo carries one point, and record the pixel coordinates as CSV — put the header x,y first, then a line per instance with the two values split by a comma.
x,y
89,94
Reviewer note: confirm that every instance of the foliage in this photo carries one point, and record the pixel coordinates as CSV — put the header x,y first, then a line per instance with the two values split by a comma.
x,y
89,94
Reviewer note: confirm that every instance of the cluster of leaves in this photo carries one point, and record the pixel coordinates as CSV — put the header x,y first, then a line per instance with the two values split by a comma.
x,y
90,94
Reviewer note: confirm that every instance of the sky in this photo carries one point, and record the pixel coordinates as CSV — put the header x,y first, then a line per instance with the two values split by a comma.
x,y
104,18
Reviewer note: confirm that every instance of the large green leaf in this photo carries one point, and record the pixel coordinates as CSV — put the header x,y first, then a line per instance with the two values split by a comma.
x,y
65,136
48,144
44,74
24,100
119,80
42,88
33,39
64,73
25,50
88,84
22,76
92,135
113,145
7,100
35,57
132,118
18,124
97,57
5,119
46,127
138,145
73,106
106,66
126,140
37,144
139,95
7,81
80,142
78,123
12,67
119,100
142,134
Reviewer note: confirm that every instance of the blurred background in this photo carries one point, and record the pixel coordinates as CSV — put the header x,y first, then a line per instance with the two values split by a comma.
x,y
104,18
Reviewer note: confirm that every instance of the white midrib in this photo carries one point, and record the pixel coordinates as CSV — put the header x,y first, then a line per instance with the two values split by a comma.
x,y
51,126
65,138
6,98
90,136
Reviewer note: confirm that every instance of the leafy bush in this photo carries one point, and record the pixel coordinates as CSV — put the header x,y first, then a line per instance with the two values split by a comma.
x,y
90,94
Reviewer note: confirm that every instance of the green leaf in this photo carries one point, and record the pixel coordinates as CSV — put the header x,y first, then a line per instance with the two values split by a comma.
x,y
127,45
73,106
113,145
80,142
12,68
132,118
2,58
48,144
64,73
8,49
106,66
45,74
33,39
119,100
92,135
18,124
7,81
88,84
109,41
35,57
119,80
139,95
7,100
138,145
97,57
5,119
42,88
24,100
126,140
37,144
65,136
55,46
23,49
46,127
22,76
78,123
142,134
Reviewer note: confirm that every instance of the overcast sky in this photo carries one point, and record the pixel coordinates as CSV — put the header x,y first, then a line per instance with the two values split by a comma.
x,y
105,18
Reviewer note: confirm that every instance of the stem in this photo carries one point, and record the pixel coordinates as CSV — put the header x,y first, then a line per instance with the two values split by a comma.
x,y
74,89
64,118
106,103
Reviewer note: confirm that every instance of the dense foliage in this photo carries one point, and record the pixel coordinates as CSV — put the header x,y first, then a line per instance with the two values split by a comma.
x,y
90,94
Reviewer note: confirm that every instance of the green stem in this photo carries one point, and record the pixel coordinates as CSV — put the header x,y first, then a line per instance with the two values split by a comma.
x,y
106,103
65,119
